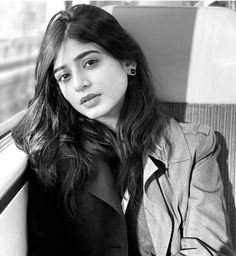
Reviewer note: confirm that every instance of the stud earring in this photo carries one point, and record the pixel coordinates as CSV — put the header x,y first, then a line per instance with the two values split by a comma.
x,y
132,72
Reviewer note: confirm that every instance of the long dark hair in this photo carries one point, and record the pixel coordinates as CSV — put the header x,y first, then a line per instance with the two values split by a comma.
x,y
62,144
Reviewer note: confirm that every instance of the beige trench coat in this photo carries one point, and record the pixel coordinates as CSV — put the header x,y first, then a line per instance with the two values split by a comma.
x,y
187,200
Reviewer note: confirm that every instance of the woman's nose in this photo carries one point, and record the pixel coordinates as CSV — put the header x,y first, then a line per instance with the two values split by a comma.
x,y
80,82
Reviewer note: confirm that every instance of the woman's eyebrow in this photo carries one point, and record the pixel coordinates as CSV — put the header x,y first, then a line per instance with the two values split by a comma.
x,y
78,57
83,54
58,69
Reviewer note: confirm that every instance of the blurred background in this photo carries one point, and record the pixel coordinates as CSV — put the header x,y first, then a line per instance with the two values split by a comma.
x,y
22,26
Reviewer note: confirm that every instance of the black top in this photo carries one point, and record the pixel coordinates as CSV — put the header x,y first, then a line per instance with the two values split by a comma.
x,y
99,230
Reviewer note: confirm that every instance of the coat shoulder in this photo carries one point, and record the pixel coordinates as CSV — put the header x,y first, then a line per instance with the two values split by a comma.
x,y
201,139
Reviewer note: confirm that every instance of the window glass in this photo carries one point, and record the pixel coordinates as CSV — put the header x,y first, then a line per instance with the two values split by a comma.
x,y
20,36
22,26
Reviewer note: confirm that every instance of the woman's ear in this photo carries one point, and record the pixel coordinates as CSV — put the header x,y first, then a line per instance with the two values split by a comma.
x,y
130,64
130,67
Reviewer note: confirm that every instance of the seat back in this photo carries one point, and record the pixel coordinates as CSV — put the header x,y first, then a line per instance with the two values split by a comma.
x,y
191,51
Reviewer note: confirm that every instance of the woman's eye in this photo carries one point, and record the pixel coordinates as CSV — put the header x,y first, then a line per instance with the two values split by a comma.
x,y
90,63
63,77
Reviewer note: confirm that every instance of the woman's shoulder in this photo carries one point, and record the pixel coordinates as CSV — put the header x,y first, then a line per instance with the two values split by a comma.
x,y
199,139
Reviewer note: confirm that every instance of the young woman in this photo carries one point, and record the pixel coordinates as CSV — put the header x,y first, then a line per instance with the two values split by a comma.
x,y
113,175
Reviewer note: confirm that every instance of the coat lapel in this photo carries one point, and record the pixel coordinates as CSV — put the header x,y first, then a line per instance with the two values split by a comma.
x,y
102,186
158,192
158,219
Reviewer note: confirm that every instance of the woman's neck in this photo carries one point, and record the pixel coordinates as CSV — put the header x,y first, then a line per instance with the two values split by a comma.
x,y
109,122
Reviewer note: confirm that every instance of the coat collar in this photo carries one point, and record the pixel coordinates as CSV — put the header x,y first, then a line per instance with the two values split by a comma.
x,y
179,152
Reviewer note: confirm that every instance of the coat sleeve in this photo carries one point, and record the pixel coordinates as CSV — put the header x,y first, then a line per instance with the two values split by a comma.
x,y
45,224
206,217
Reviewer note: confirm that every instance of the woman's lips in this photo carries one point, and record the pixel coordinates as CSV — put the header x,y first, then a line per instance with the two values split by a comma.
x,y
88,97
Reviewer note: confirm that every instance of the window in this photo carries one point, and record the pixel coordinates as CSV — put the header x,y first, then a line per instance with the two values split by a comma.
x,y
22,27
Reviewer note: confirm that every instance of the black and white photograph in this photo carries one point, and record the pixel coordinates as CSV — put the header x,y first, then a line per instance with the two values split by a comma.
x,y
117,128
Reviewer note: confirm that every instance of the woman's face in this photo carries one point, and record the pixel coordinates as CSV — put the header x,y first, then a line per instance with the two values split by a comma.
x,y
92,81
